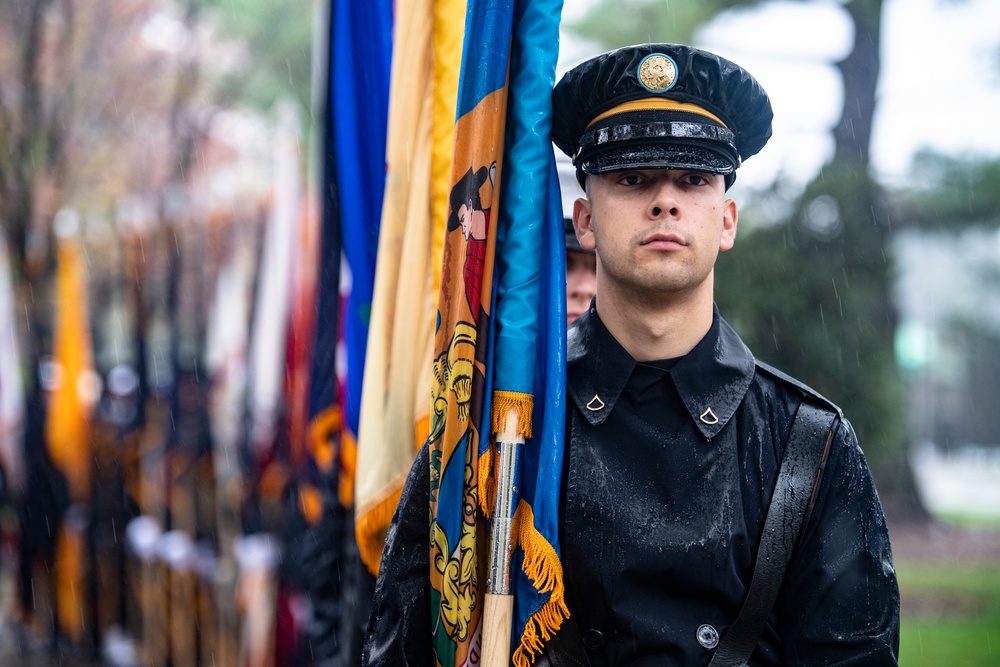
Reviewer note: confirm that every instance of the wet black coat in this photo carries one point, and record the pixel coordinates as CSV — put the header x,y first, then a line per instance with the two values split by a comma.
x,y
667,483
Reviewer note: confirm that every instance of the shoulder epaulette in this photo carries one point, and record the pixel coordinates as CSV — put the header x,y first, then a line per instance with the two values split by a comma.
x,y
801,386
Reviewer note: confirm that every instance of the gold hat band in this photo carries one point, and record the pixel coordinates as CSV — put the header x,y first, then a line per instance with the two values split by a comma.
x,y
649,103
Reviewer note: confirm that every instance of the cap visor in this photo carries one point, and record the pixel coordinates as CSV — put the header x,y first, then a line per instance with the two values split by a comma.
x,y
658,156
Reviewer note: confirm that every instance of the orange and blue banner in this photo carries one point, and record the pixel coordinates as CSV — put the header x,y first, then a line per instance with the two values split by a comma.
x,y
460,346
529,363
500,340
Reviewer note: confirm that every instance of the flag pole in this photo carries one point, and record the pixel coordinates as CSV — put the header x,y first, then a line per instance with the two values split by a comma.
x,y
499,602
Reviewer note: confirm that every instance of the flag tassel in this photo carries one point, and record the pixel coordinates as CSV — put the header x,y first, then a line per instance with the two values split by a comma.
x,y
372,523
541,564
522,404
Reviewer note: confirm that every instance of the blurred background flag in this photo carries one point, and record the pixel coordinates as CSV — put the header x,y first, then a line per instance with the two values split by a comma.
x,y
11,385
361,56
72,397
74,392
359,51
395,407
323,568
301,339
272,308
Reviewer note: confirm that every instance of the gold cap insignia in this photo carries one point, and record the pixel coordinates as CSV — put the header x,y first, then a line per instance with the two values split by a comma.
x,y
657,72
596,404
709,417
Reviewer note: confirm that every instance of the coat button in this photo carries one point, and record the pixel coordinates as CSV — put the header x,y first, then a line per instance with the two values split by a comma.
x,y
594,640
707,636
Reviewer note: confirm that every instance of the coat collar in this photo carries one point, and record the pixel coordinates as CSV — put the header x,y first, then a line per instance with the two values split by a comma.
x,y
711,379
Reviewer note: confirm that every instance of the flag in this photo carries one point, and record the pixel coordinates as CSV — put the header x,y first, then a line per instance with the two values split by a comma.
x,y
226,357
359,78
325,417
303,512
68,418
460,345
323,556
395,406
539,593
67,428
11,384
529,357
272,309
301,342
515,352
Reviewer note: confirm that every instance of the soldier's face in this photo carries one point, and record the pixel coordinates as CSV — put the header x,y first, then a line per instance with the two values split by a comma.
x,y
656,231
581,283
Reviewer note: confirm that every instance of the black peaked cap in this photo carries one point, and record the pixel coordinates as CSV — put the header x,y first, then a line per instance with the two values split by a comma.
x,y
715,84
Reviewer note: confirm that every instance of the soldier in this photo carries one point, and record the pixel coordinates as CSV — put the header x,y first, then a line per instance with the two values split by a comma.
x,y
686,456
581,265
581,276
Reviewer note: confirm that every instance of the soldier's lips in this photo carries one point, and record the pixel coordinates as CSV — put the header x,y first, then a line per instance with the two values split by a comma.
x,y
663,241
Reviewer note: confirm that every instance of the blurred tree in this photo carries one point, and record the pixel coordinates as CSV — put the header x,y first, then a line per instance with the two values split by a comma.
x,y
832,324
31,121
949,193
616,23
104,102
84,95
279,33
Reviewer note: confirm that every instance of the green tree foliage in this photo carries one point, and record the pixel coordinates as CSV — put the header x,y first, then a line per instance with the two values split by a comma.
x,y
810,295
949,193
615,23
833,323
278,34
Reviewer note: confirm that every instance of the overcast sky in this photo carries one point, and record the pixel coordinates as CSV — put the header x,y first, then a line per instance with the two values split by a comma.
x,y
939,85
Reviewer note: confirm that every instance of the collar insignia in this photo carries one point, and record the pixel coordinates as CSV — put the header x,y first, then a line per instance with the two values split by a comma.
x,y
708,417
596,404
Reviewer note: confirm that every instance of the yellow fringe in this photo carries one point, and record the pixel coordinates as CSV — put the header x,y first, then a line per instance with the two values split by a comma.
x,y
541,564
348,468
487,480
372,523
504,402
371,527
322,431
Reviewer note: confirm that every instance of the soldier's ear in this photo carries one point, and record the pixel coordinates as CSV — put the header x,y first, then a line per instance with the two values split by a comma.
x,y
583,221
730,216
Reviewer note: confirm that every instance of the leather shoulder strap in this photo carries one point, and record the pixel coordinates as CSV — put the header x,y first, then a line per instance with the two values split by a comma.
x,y
566,649
794,494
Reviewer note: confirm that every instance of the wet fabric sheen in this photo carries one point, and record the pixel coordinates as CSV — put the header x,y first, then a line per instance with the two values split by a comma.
x,y
661,523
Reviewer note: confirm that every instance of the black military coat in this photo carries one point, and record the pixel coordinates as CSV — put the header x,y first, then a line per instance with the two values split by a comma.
x,y
668,478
